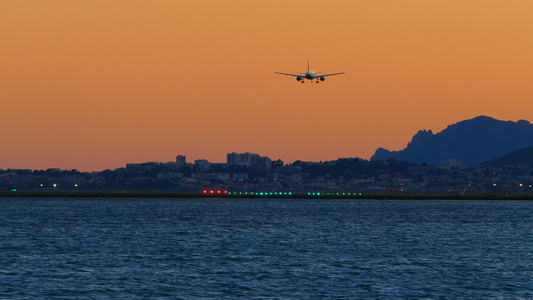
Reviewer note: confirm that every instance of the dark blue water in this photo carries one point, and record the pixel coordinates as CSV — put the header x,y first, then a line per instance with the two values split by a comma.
x,y
285,249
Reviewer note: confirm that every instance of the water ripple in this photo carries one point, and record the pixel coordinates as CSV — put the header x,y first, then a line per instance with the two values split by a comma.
x,y
276,249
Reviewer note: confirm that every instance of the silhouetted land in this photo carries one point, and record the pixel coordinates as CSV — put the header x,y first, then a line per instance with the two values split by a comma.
x,y
363,195
470,142
298,178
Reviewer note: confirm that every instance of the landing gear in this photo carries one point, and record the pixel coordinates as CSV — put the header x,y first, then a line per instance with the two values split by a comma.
x,y
317,81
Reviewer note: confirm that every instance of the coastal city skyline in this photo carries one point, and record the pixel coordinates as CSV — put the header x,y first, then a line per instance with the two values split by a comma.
x,y
96,85
249,172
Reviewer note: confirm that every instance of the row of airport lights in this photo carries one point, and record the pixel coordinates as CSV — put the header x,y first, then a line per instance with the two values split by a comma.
x,y
224,192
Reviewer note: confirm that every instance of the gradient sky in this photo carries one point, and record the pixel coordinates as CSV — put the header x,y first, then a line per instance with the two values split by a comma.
x,y
92,85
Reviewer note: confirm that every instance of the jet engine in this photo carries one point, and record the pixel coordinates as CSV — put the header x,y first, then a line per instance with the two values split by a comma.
x,y
322,78
299,78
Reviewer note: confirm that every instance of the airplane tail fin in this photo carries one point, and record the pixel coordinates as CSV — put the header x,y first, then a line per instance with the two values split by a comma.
x,y
308,65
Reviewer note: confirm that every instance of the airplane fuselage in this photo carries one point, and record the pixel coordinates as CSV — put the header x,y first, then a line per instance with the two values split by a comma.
x,y
309,75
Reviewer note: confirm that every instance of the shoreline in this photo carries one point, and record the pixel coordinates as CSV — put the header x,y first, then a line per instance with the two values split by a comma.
x,y
369,195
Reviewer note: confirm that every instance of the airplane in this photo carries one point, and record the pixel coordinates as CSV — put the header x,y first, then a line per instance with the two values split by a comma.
x,y
310,75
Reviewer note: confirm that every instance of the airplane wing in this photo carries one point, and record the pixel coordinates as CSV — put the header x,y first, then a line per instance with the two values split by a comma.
x,y
295,75
326,75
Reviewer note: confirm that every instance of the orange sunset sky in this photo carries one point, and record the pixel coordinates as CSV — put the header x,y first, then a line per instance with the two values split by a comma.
x,y
92,85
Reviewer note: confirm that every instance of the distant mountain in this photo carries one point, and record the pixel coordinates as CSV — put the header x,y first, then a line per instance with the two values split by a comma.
x,y
470,141
522,156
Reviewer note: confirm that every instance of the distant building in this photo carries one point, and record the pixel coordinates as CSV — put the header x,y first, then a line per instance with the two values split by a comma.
x,y
240,159
181,159
262,163
142,167
250,160
452,163
203,165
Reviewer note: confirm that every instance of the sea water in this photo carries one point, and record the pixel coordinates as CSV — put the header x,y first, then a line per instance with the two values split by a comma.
x,y
264,248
